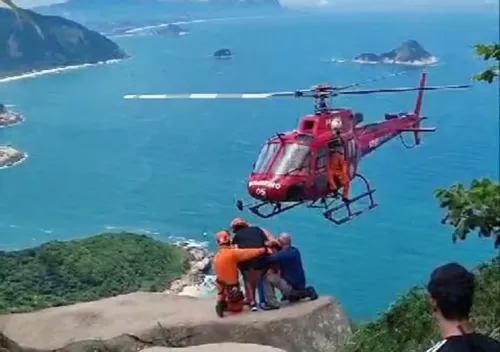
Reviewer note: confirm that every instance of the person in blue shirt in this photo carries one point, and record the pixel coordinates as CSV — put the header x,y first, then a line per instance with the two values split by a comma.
x,y
291,270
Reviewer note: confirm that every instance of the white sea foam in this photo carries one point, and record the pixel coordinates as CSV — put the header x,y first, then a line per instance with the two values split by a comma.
x,y
54,71
425,62
147,29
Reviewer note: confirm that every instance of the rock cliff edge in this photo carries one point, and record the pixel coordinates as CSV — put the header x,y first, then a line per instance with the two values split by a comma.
x,y
141,320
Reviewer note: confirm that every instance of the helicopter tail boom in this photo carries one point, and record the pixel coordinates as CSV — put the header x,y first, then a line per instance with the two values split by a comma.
x,y
417,133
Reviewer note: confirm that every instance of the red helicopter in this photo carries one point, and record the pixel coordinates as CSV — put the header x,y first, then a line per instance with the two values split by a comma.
x,y
292,167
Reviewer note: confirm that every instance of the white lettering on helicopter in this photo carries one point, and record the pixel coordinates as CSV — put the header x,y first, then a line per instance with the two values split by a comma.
x,y
264,183
379,140
260,192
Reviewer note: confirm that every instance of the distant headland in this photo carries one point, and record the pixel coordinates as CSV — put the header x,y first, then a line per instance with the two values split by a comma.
x,y
48,42
408,53
10,156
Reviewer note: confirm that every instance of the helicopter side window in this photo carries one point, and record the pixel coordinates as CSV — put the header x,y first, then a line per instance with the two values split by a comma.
x,y
322,160
295,159
266,157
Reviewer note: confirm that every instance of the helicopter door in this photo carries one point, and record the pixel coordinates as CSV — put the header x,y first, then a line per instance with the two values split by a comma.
x,y
352,153
321,171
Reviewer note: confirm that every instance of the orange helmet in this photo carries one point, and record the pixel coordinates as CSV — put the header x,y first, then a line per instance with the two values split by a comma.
x,y
223,238
238,222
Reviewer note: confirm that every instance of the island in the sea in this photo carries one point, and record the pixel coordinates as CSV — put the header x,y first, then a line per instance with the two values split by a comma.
x,y
170,29
223,54
37,42
10,156
408,53
8,117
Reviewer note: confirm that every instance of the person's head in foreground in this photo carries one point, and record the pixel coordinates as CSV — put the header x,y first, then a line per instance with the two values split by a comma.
x,y
285,240
223,238
238,224
451,294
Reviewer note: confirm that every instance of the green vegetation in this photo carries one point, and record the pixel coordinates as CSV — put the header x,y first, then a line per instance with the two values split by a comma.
x,y
408,325
474,209
489,52
61,273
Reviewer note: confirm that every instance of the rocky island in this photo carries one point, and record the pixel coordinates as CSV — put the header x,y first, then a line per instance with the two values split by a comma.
x,y
223,54
47,42
408,53
10,156
170,29
9,118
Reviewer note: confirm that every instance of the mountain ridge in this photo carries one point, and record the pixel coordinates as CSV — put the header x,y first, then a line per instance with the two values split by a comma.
x,y
49,42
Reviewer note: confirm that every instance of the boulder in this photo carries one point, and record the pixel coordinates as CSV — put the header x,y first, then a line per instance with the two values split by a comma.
x,y
218,347
140,320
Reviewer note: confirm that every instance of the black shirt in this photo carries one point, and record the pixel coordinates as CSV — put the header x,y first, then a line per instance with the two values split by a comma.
x,y
250,237
473,342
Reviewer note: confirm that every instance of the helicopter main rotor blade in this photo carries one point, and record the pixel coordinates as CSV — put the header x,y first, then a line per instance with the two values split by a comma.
x,y
211,95
371,80
403,89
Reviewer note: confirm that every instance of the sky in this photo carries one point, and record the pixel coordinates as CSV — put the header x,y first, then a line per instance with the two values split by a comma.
x,y
354,4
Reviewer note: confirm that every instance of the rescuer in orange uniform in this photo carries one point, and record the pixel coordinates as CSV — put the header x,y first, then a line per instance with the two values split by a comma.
x,y
229,295
338,169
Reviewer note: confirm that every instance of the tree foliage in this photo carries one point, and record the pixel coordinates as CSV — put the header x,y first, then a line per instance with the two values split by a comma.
x,y
408,325
476,209
489,52
59,273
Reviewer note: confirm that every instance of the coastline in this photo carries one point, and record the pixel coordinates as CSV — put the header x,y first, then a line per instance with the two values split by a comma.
x,y
55,70
197,282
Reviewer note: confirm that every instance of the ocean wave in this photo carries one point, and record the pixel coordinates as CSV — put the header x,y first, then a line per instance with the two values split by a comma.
x,y
55,70
432,61
426,62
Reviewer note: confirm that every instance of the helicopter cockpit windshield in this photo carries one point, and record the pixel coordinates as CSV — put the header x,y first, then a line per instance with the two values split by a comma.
x,y
294,159
266,157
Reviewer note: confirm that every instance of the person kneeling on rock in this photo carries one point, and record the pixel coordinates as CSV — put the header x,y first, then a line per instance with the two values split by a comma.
x,y
290,279
229,295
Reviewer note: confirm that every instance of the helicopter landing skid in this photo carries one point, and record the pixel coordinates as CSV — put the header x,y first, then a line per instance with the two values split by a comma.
x,y
277,208
330,209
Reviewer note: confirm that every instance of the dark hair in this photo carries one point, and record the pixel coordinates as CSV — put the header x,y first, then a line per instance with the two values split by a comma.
x,y
239,227
452,287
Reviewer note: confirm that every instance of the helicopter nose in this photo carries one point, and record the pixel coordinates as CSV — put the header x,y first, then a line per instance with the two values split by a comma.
x,y
265,190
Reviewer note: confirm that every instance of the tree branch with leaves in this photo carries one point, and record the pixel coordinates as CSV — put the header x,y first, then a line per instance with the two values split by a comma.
x,y
477,208
489,52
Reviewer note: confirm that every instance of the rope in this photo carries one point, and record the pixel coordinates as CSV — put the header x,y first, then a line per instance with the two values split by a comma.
x,y
406,145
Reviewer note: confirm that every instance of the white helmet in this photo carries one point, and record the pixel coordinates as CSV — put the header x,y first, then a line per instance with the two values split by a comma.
x,y
336,123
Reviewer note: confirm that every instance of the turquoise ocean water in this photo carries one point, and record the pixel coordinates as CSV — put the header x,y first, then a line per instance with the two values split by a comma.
x,y
99,162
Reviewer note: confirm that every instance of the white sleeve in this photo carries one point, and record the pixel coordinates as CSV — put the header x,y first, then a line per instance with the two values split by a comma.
x,y
437,346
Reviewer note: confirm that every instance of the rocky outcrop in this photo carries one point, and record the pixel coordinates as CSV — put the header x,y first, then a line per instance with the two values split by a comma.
x,y
218,347
8,117
170,29
43,42
200,264
408,53
10,156
140,320
223,54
